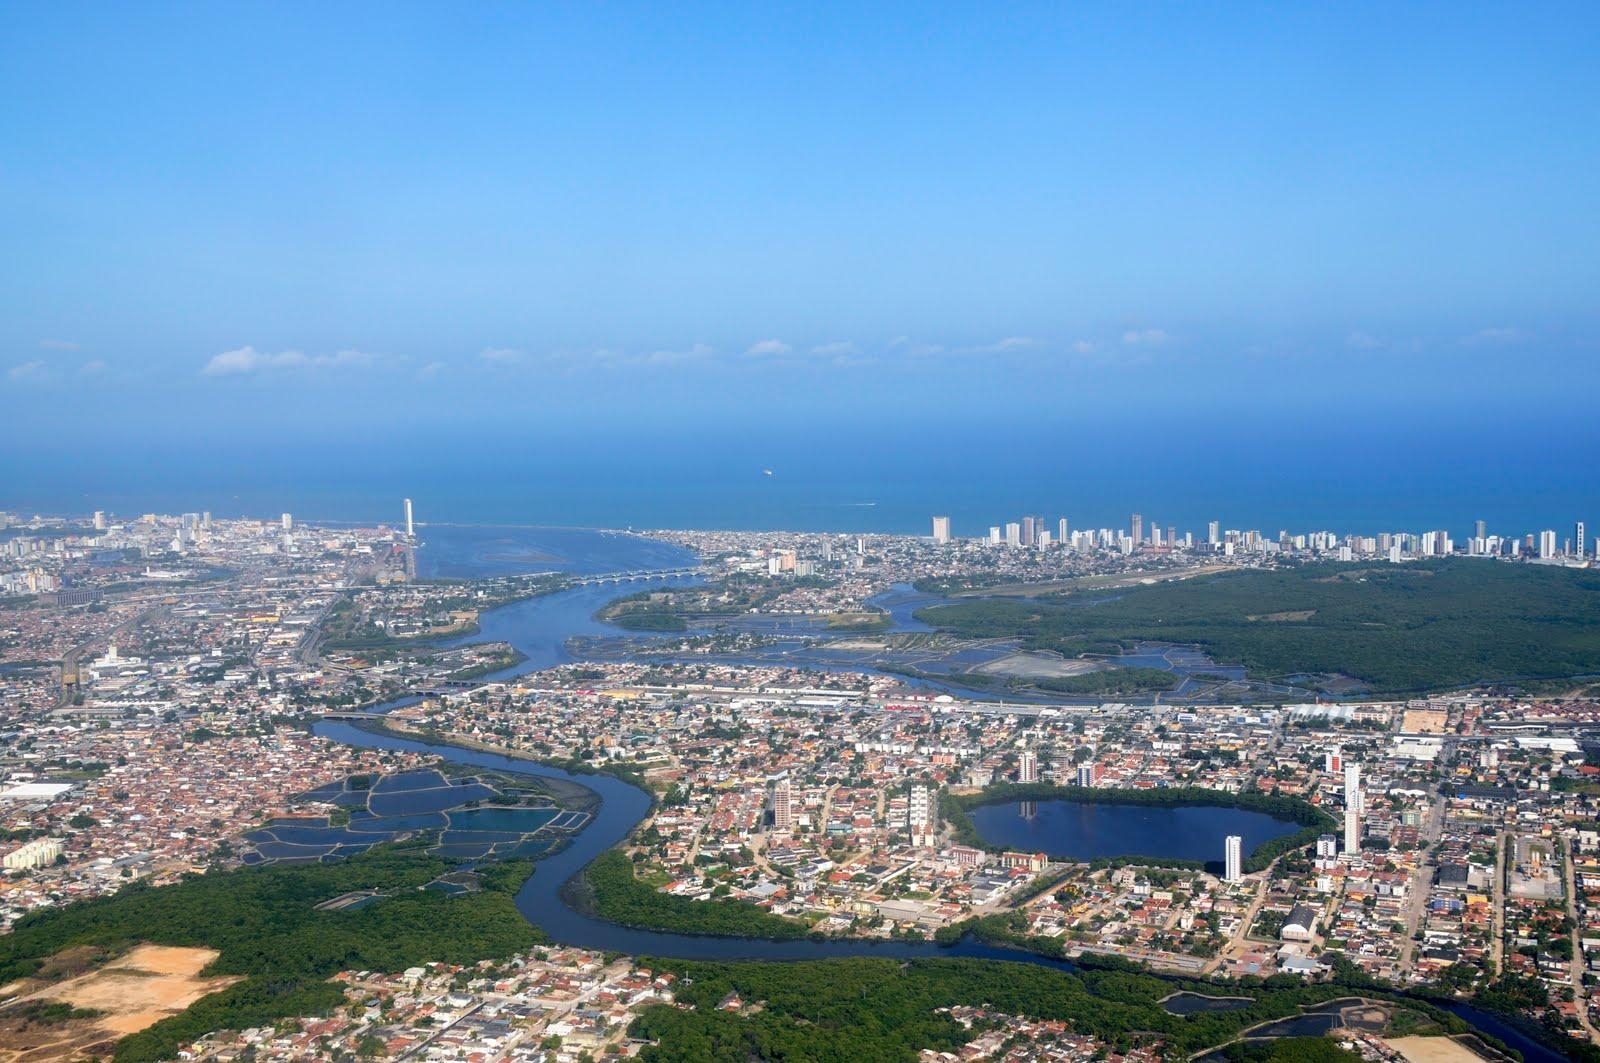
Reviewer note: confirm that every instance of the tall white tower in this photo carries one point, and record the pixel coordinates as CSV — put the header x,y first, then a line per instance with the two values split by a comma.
x,y
1352,807
288,522
410,528
1233,858
1027,767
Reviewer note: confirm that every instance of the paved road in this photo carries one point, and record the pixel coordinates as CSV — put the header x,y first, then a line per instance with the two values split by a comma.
x,y
1579,990
1421,882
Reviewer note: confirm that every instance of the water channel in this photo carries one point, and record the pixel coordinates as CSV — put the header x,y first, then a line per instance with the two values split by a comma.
x,y
539,628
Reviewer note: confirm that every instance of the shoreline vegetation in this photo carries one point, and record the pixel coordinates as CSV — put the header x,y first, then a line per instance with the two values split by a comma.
x,y
867,1008
611,890
1399,629
264,923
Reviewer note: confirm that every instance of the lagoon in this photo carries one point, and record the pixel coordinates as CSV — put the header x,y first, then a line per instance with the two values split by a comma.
x,y
1079,830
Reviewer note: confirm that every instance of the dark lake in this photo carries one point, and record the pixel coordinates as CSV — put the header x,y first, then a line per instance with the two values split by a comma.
x,y
1078,831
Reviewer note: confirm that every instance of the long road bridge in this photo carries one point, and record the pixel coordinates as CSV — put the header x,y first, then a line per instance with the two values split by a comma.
x,y
639,575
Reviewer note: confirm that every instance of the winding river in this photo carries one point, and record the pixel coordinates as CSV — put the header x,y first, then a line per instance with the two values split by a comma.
x,y
539,628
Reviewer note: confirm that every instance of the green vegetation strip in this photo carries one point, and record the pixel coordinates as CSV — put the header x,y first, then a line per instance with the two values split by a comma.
x,y
1314,822
264,924
1400,628
882,1010
620,897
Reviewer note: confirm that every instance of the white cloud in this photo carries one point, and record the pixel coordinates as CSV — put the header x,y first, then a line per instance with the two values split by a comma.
x,y
431,370
501,355
837,349
1004,345
250,360
1363,341
1495,337
1083,346
244,360
27,370
698,353
768,349
93,367
60,345
1149,337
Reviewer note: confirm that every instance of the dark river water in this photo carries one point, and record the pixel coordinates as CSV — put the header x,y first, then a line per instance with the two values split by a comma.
x,y
540,627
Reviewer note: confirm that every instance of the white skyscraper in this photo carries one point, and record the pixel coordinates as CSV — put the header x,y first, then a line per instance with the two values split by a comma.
x,y
1352,807
100,520
1547,544
411,531
1233,858
1577,540
1027,767
1061,531
288,522
941,530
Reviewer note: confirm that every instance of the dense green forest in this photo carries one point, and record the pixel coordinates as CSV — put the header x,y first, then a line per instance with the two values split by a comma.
x,y
1398,628
842,1011
622,898
264,923
1313,821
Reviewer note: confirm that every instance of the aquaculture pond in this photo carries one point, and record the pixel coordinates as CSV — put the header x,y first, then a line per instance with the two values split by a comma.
x,y
409,803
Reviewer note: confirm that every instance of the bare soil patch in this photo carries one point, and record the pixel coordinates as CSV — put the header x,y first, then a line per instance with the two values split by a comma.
x,y
1432,1050
132,991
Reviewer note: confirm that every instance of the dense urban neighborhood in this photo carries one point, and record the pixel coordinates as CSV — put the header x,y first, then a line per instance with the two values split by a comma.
x,y
833,752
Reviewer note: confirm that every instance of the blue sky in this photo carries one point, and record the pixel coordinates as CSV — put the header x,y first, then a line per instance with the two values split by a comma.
x,y
335,219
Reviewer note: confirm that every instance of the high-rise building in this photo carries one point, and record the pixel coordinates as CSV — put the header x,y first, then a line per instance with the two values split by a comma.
x,y
1027,767
782,805
1137,521
99,520
1577,539
919,809
1061,531
994,535
1547,544
1030,532
1089,775
1233,858
1327,847
941,530
1013,533
411,530
288,522
1352,807
1214,533
205,520
1480,530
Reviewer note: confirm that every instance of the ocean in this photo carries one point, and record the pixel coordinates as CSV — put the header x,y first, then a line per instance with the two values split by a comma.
x,y
1301,475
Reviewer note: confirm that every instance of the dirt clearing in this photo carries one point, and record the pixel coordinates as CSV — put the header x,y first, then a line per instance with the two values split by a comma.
x,y
132,991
